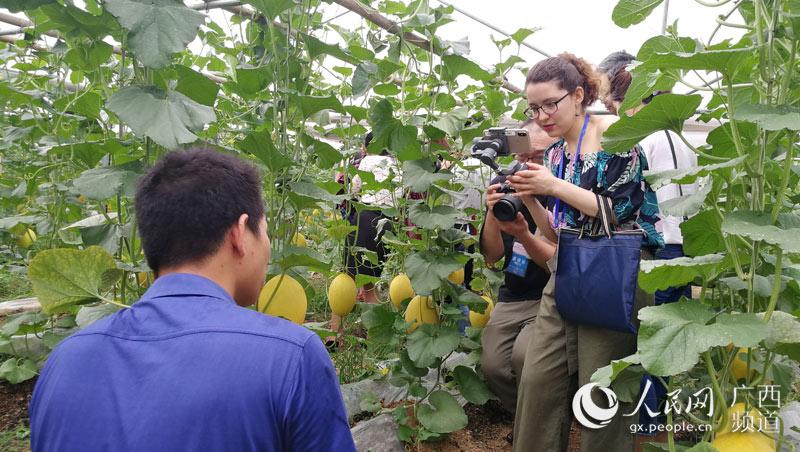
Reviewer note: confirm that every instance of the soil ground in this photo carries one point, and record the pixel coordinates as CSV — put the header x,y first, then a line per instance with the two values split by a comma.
x,y
14,400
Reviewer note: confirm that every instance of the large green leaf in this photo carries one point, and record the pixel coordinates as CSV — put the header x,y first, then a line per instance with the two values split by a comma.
x,y
158,28
419,175
64,277
661,274
672,336
769,117
757,226
312,104
17,370
443,415
658,179
727,61
168,117
16,6
105,182
631,12
364,77
260,144
429,342
379,321
471,386
687,205
271,8
457,65
427,269
195,85
71,21
316,48
86,104
702,234
327,155
782,328
623,375
665,112
453,122
442,217
404,144
665,44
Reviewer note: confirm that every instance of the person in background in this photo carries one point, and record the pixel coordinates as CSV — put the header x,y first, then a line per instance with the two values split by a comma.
x,y
505,338
370,222
562,355
188,367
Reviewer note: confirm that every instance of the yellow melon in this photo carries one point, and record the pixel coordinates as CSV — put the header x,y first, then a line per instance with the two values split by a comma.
x,y
400,289
457,277
735,417
299,240
744,442
342,294
480,320
420,310
289,300
26,239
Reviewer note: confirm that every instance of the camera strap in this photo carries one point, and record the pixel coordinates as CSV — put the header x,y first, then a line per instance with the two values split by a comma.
x,y
558,214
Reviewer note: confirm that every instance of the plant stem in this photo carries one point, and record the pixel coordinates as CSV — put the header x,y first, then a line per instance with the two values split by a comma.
x,y
776,285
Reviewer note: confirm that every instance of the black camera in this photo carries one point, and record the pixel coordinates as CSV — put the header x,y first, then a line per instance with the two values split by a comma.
x,y
496,142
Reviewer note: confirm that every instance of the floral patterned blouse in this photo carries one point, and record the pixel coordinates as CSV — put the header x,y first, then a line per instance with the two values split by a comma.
x,y
616,176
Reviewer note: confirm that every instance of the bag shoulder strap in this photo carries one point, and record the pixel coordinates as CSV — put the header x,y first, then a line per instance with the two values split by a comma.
x,y
674,157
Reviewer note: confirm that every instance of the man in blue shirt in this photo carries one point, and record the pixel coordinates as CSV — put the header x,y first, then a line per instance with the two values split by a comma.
x,y
187,367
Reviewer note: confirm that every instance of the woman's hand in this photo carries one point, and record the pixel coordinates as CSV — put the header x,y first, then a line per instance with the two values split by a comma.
x,y
517,227
536,180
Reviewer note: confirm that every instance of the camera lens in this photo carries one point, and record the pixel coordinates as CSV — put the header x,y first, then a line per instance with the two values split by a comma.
x,y
506,208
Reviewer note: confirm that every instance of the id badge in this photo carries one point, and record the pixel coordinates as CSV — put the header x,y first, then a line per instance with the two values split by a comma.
x,y
519,261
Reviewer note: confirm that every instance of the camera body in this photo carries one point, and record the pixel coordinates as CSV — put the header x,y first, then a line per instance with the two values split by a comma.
x,y
497,142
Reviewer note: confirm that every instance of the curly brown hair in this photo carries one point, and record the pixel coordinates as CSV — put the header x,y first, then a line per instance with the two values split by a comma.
x,y
570,72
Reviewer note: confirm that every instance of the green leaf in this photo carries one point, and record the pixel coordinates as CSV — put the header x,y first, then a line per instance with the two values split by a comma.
x,y
16,371
727,61
759,227
250,81
86,104
293,256
105,182
9,222
471,386
658,179
71,21
702,234
195,85
404,143
672,336
665,44
88,57
316,48
442,217
769,117
687,205
271,8
379,322
310,190
409,365
327,155
16,6
631,12
312,104
443,415
90,314
661,274
427,269
158,28
522,33
65,277
665,112
453,122
419,175
782,328
606,374
168,117
457,65
365,75
496,104
260,144
429,342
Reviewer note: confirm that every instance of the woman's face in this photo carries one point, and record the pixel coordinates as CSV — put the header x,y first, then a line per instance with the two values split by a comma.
x,y
554,123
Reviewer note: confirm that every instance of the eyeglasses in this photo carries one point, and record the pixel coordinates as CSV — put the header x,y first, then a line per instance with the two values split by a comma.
x,y
548,107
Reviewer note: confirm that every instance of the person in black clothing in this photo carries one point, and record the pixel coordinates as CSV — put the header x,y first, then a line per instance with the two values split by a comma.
x,y
526,253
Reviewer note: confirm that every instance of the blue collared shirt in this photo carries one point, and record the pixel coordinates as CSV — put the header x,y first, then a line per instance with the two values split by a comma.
x,y
185,368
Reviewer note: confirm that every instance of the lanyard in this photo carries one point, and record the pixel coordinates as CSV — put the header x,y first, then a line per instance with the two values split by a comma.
x,y
558,214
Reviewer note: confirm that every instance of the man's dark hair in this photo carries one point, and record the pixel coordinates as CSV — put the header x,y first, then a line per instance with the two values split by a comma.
x,y
189,199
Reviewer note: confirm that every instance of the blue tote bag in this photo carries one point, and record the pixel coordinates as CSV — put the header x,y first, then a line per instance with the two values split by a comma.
x,y
596,274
